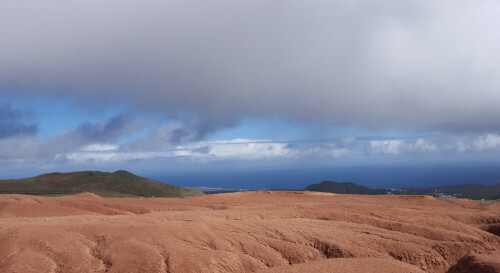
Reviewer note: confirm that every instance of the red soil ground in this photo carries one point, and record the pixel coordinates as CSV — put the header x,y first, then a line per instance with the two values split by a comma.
x,y
248,232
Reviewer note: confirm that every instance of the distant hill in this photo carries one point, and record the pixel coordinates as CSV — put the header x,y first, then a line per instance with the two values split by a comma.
x,y
344,187
117,184
472,191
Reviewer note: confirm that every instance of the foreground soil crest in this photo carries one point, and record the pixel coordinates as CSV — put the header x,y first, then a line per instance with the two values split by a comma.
x,y
249,232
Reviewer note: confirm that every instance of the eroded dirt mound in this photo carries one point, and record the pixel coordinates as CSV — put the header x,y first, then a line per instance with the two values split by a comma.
x,y
246,232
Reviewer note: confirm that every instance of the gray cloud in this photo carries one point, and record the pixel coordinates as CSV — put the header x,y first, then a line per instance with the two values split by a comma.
x,y
53,148
174,134
426,64
101,132
85,134
13,122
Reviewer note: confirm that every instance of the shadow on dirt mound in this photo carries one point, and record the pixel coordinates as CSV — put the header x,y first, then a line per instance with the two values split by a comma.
x,y
476,264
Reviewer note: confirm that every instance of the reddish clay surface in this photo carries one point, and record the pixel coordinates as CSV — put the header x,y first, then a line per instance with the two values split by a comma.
x,y
248,232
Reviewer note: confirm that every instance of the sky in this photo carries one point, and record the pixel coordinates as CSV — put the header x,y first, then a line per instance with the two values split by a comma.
x,y
253,94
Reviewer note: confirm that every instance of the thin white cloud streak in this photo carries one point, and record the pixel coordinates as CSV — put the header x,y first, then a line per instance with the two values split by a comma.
x,y
396,146
100,148
490,141
481,143
203,152
248,149
423,145
385,146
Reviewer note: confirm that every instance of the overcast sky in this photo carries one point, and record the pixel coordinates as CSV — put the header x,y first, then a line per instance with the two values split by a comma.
x,y
166,85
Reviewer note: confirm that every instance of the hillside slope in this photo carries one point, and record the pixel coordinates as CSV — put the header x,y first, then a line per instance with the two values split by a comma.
x,y
117,184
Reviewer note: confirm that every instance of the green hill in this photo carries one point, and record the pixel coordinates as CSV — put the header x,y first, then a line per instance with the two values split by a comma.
x,y
117,184
344,187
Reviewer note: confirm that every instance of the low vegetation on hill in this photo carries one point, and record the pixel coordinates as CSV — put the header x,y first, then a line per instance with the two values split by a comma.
x,y
472,191
117,184
343,187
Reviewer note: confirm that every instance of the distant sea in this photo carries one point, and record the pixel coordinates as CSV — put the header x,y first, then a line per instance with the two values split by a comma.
x,y
369,176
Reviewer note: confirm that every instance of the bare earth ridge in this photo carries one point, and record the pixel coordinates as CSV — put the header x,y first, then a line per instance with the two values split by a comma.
x,y
249,232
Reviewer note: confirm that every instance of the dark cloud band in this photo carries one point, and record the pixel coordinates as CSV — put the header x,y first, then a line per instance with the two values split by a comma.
x,y
13,122
384,64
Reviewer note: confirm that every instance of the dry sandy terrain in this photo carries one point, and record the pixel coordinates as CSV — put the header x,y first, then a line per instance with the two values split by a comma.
x,y
248,232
